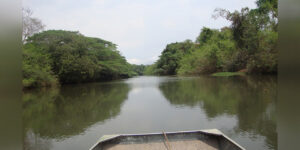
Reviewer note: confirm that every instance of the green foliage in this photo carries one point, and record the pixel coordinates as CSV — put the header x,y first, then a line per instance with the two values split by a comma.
x,y
170,57
268,6
215,54
228,74
200,61
248,44
205,35
71,58
36,69
150,70
265,60
138,70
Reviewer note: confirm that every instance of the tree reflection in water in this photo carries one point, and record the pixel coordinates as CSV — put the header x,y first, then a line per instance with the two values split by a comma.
x,y
250,99
77,115
61,113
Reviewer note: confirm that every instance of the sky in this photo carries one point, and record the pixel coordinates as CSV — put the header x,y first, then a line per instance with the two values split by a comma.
x,y
140,28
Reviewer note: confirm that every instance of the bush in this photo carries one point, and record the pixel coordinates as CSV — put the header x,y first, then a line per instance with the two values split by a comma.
x,y
69,57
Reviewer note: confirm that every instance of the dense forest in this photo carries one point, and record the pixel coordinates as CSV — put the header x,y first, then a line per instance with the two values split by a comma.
x,y
247,45
56,57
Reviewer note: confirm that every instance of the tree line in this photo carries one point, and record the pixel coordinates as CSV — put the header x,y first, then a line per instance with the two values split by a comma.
x,y
57,57
247,45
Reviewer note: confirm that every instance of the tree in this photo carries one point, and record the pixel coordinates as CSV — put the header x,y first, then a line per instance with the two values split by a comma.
x,y
205,35
71,57
30,25
248,44
255,32
36,68
170,57
138,69
214,53
268,6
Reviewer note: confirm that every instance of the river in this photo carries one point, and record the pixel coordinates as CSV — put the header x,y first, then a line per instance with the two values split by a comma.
x,y
75,116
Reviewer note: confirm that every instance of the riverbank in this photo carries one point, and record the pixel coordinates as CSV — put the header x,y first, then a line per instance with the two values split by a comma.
x,y
228,74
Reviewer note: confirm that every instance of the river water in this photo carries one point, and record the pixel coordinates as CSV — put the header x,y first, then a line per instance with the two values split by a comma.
x,y
75,116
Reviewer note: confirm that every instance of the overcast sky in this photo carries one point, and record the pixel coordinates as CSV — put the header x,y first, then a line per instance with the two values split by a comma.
x,y
140,28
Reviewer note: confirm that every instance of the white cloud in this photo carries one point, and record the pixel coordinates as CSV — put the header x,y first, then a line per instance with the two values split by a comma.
x,y
134,61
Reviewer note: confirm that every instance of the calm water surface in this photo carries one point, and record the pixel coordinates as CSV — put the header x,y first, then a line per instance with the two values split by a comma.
x,y
76,116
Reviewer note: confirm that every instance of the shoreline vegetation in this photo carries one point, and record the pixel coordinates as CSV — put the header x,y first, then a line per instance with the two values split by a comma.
x,y
247,46
55,57
228,74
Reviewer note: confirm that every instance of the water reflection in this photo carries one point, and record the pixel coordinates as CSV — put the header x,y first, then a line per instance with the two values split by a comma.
x,y
250,99
33,141
75,116
61,113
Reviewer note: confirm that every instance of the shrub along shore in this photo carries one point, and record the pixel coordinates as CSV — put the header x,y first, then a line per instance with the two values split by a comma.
x,y
247,45
55,57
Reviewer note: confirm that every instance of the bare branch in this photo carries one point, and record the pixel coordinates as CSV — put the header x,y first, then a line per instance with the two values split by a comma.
x,y
30,25
220,12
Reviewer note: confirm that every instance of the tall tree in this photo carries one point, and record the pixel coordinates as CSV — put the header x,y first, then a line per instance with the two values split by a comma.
x,y
168,62
70,57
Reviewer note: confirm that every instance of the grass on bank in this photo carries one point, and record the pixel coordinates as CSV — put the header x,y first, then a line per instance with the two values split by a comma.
x,y
228,74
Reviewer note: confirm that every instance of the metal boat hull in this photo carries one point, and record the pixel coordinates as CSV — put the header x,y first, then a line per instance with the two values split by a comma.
x,y
212,139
